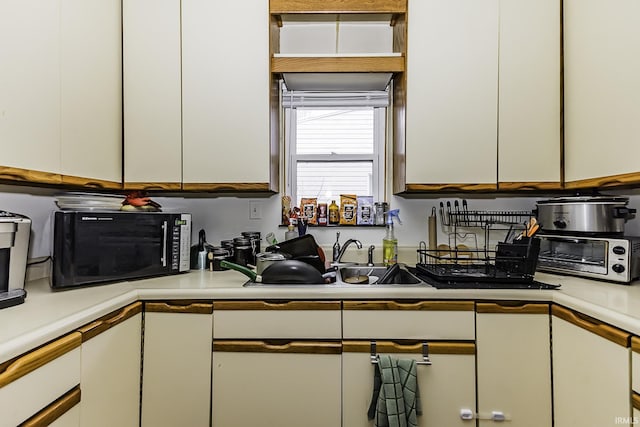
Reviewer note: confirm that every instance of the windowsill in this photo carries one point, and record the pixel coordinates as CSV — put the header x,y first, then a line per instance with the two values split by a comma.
x,y
338,225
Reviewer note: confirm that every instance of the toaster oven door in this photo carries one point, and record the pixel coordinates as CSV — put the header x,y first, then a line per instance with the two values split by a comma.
x,y
573,255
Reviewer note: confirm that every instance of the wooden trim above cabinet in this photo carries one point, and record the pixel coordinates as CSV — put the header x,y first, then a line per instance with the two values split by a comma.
x,y
635,344
529,186
635,400
515,307
337,6
153,186
227,187
27,176
195,307
338,64
109,321
276,305
621,180
592,325
55,410
29,362
414,347
416,306
431,188
300,347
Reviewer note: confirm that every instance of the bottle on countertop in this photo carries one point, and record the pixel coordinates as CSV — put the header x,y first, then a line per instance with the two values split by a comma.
x,y
390,242
334,213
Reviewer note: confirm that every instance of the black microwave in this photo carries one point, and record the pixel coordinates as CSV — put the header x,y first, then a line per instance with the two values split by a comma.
x,y
99,247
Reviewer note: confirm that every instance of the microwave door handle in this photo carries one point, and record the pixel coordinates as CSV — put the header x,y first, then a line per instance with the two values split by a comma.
x,y
164,244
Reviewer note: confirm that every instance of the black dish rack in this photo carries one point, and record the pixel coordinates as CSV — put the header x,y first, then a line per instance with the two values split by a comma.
x,y
512,260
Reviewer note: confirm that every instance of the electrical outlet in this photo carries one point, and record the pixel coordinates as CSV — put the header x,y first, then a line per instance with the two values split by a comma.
x,y
255,210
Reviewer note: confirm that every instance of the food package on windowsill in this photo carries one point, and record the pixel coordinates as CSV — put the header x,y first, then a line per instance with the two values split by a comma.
x,y
348,209
139,201
309,207
365,210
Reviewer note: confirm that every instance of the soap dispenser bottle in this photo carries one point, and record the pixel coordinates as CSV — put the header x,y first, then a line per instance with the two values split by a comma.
x,y
390,242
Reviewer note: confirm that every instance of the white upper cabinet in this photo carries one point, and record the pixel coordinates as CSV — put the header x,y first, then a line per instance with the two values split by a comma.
x,y
152,93
30,85
225,92
529,147
91,89
602,92
452,92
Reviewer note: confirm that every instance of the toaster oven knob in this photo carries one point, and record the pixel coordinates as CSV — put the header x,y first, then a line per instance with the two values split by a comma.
x,y
560,224
618,268
619,250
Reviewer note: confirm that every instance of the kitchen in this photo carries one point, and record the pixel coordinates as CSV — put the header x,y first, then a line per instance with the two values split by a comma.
x,y
224,217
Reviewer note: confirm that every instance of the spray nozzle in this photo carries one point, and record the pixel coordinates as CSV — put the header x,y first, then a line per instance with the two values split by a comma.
x,y
394,213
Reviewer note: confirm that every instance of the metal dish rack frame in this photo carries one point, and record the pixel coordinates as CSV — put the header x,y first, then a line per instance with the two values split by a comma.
x,y
510,262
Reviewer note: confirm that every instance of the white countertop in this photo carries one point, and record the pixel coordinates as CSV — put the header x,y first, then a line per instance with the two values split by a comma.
x,y
48,314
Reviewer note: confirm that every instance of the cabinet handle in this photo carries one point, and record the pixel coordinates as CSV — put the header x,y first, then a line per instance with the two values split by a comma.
x,y
512,308
55,410
415,306
306,347
33,360
109,321
414,347
195,307
635,400
276,305
603,330
635,344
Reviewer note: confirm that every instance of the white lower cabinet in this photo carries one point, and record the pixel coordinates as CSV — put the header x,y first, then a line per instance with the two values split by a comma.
x,y
110,373
64,412
34,380
591,372
514,364
447,386
176,376
276,364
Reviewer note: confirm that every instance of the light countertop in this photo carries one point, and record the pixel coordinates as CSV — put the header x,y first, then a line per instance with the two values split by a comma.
x,y
48,314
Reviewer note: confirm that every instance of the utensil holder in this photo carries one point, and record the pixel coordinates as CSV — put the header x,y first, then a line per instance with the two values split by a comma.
x,y
519,257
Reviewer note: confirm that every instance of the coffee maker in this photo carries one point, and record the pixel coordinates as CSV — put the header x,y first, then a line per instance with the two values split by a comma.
x,y
15,230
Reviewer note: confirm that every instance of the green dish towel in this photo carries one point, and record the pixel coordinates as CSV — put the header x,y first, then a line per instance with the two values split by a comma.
x,y
396,399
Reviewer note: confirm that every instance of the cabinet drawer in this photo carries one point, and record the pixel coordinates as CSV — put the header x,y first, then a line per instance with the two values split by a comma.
x,y
263,319
635,364
64,412
452,320
35,379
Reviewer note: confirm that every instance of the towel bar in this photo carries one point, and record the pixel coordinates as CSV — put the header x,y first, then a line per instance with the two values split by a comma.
x,y
425,354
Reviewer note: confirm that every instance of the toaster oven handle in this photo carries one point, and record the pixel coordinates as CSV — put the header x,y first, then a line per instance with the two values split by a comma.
x,y
566,239
164,243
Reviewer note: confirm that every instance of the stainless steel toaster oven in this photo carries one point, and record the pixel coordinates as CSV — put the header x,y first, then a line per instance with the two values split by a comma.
x,y
615,259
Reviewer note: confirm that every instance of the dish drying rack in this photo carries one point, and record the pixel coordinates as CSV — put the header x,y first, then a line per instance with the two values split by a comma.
x,y
511,260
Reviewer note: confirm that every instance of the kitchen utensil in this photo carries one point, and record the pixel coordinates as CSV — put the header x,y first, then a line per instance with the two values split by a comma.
x,y
387,277
357,280
265,259
594,215
282,273
433,229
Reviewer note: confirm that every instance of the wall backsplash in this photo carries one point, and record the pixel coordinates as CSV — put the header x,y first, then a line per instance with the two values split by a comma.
x,y
226,217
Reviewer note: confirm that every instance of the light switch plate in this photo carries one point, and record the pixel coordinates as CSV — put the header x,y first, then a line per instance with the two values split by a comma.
x,y
255,210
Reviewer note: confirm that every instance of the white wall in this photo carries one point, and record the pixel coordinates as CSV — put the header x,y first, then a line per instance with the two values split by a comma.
x,y
226,217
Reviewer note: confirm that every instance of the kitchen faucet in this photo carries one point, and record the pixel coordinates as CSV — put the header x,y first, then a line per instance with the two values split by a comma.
x,y
344,248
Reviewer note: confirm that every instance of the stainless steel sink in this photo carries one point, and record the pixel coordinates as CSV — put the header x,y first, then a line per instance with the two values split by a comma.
x,y
402,277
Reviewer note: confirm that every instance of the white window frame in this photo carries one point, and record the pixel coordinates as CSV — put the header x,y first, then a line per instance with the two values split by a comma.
x,y
377,157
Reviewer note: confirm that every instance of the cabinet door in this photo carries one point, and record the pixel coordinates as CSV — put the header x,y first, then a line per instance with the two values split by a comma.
x,y
602,92
585,393
152,93
34,380
446,387
29,86
226,87
91,90
176,382
63,412
452,93
514,364
529,145
256,383
110,381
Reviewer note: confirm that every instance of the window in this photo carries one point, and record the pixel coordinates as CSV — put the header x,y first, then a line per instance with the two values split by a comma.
x,y
335,144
